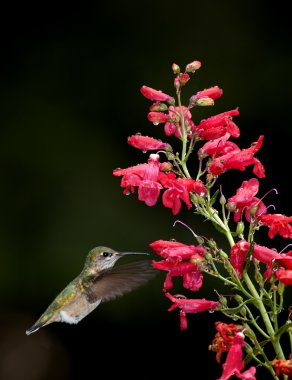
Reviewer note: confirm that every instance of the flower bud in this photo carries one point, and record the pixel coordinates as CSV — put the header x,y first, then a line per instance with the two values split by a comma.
x,y
223,300
197,259
240,228
253,209
281,288
222,200
175,68
243,311
158,107
248,349
165,166
200,240
193,66
238,298
258,277
205,101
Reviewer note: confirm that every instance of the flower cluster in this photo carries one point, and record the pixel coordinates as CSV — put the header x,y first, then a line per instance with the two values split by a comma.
x,y
255,275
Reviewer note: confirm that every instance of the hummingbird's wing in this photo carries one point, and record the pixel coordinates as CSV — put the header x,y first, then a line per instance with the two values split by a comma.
x,y
120,280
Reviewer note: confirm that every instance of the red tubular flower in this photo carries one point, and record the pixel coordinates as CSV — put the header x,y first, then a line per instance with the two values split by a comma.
x,y
175,249
245,199
154,95
218,147
282,367
193,66
237,256
217,126
174,125
212,92
264,254
131,176
149,187
278,223
147,143
173,196
285,260
192,277
234,363
193,280
200,188
239,160
284,275
157,117
224,338
190,306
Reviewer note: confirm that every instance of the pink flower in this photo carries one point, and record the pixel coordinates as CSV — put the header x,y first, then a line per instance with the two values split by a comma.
x,y
149,187
212,93
278,223
237,256
173,196
185,269
218,147
216,126
284,275
174,249
239,160
131,176
234,363
157,117
154,95
193,66
147,143
224,338
189,306
245,199
174,125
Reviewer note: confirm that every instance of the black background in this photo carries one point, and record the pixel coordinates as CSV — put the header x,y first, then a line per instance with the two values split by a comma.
x,y
70,80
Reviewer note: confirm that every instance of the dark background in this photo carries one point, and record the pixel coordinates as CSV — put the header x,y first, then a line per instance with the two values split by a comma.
x,y
70,80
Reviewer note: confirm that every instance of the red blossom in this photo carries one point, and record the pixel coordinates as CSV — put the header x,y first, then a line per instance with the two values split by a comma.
x,y
190,306
154,95
217,126
218,147
239,160
175,249
234,363
192,277
278,223
282,367
157,117
237,257
131,176
149,188
193,66
245,199
147,143
224,338
286,261
174,125
284,275
175,193
212,92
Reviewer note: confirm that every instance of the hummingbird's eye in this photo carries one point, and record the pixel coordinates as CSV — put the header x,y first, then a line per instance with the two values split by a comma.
x,y
106,254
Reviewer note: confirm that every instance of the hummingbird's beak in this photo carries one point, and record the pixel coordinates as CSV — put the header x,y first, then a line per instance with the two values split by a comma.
x,y
132,253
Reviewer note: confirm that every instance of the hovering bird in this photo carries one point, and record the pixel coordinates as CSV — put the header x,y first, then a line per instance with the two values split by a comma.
x,y
99,281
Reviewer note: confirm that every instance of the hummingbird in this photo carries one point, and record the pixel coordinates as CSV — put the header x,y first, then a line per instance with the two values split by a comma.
x,y
100,280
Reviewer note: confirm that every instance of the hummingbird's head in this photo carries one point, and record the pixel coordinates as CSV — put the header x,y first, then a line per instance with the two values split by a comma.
x,y
103,258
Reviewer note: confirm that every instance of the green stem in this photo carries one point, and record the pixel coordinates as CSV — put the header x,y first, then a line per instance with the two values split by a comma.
x,y
261,307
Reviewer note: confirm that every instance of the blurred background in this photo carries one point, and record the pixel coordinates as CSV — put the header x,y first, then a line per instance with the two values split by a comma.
x,y
70,80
